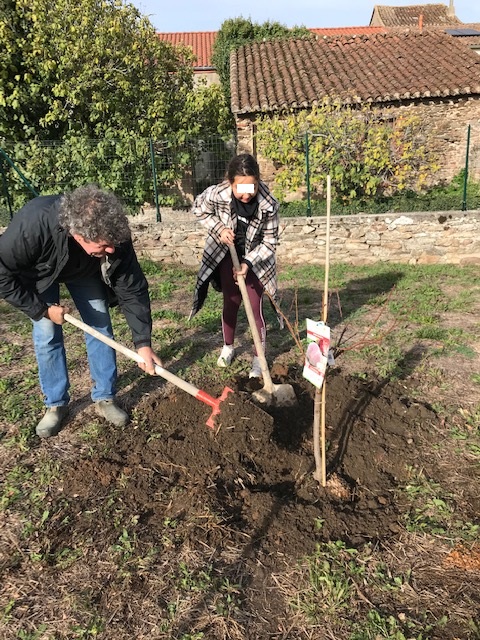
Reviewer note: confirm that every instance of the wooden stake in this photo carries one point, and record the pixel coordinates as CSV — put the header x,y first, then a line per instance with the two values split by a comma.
x,y
320,395
324,318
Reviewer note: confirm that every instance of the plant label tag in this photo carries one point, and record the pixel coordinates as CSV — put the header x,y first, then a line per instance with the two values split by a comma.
x,y
317,354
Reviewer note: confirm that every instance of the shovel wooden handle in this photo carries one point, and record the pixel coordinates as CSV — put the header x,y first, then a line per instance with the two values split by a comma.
x,y
171,377
257,341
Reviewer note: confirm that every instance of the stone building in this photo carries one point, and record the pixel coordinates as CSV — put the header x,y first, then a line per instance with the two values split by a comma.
x,y
415,15
427,72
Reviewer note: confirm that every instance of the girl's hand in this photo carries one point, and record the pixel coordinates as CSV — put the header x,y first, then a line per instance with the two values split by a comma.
x,y
243,271
227,236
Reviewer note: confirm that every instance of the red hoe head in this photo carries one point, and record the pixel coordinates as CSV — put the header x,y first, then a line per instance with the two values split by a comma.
x,y
214,403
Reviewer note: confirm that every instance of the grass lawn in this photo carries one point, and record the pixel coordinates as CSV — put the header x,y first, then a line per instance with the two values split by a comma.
x,y
169,530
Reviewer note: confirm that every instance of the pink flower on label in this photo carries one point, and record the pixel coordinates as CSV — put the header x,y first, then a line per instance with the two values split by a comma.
x,y
314,354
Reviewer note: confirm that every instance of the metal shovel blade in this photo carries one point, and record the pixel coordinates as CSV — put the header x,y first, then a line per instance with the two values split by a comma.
x,y
282,395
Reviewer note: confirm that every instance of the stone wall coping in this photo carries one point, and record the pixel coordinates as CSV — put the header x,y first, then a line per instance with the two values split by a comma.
x,y
173,218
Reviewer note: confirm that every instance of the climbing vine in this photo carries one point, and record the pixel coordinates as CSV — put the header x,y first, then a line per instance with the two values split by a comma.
x,y
365,152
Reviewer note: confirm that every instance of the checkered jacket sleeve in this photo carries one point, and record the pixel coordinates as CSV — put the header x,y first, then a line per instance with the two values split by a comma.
x,y
212,209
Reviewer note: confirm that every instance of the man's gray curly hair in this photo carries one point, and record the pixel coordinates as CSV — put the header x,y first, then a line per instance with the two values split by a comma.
x,y
94,214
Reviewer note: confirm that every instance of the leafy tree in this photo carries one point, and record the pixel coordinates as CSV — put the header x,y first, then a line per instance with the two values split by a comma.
x,y
84,85
209,111
239,31
365,153
93,67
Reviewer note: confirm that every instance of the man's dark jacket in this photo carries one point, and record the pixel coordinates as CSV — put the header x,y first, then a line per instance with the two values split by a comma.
x,y
33,252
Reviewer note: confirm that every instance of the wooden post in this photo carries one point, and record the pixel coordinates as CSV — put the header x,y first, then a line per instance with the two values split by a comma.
x,y
320,394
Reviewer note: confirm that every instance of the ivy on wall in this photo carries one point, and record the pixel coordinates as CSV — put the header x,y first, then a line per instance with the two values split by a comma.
x,y
366,152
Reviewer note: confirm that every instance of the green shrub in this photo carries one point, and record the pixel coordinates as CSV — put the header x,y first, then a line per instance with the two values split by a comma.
x,y
442,198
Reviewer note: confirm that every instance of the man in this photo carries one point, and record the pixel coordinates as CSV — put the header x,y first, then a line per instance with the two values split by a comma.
x,y
81,239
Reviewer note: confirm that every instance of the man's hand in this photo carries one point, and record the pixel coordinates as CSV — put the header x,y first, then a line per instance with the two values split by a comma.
x,y
150,358
55,313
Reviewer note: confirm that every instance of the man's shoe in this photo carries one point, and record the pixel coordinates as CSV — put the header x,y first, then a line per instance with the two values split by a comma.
x,y
226,356
51,423
256,370
111,412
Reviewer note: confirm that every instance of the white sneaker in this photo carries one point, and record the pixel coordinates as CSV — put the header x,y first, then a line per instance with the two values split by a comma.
x,y
256,370
226,356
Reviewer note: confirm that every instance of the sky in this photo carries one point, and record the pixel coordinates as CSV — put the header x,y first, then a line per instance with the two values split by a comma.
x,y
195,15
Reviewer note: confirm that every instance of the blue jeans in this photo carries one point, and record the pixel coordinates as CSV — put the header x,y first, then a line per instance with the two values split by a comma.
x,y
90,297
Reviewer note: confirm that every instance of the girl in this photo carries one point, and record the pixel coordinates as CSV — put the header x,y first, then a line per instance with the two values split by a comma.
x,y
239,211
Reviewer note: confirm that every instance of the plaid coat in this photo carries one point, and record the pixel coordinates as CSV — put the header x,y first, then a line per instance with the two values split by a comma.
x,y
213,210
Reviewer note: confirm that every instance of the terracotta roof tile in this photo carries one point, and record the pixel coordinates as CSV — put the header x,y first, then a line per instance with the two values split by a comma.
x,y
271,76
200,41
433,14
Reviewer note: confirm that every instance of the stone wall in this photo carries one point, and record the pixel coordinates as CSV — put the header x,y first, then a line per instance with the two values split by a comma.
x,y
451,237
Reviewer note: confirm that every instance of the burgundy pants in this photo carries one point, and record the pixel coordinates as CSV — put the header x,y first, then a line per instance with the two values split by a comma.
x,y
232,298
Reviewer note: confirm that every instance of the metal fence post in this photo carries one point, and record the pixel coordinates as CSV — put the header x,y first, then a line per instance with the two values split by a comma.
x,y
307,174
465,177
154,175
5,188
20,174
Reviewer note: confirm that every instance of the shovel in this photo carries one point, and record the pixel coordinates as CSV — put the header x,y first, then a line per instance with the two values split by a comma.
x,y
281,395
178,382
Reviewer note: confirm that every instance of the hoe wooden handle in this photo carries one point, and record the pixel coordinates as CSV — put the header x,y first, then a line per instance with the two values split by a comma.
x,y
198,394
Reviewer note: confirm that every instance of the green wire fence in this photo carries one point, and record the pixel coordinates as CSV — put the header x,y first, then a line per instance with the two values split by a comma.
x,y
143,172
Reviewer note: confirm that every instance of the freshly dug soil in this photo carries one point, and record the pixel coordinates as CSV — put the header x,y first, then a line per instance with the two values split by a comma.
x,y
168,493
256,467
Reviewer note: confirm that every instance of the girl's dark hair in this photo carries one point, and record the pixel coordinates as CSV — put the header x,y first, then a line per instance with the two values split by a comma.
x,y
243,165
